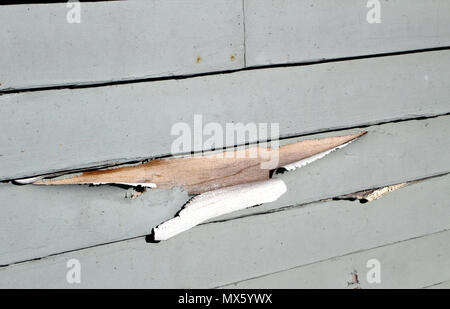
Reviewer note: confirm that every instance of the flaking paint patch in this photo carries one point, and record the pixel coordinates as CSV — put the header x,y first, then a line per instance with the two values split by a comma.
x,y
366,196
199,174
134,193
304,162
383,191
26,181
354,283
219,202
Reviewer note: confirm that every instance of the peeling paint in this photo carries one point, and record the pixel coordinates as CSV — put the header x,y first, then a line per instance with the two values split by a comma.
x,y
383,191
220,202
200,174
304,162
354,283
370,195
26,181
134,193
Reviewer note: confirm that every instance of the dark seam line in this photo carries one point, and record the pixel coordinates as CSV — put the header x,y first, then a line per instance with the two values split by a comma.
x,y
337,257
101,165
252,68
245,33
19,2
284,208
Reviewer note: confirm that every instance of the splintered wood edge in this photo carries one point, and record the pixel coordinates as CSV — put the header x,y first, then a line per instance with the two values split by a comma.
x,y
133,180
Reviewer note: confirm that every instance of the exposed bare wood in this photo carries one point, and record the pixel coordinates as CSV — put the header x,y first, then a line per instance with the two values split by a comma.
x,y
200,174
372,194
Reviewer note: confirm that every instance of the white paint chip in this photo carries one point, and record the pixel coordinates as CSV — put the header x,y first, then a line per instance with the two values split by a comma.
x,y
26,181
220,202
306,161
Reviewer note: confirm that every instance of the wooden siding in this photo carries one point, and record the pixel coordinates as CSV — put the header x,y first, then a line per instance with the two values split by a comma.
x,y
253,246
292,31
120,80
117,41
127,122
40,221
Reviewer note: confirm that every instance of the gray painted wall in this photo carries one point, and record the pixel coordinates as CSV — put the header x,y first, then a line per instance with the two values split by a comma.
x,y
118,40
217,254
73,128
303,239
40,221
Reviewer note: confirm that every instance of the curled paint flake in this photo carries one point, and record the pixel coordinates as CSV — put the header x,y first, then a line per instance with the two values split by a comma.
x,y
220,202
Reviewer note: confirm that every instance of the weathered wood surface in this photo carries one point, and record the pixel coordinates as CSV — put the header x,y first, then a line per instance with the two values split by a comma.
x,y
279,244
291,31
271,243
411,264
200,174
389,154
36,221
118,40
47,131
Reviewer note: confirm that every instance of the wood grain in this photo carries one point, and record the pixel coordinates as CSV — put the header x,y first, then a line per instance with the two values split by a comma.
x,y
36,221
200,174
251,246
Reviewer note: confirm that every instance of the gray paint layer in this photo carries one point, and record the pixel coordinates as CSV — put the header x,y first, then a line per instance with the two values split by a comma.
x,y
221,253
36,221
411,264
389,154
442,285
118,40
47,131
290,31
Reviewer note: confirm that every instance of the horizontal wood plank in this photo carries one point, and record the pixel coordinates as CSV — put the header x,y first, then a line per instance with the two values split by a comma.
x,y
48,131
389,154
221,253
443,285
410,264
36,221
118,40
291,31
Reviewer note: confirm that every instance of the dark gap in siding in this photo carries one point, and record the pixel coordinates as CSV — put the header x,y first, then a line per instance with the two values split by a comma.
x,y
436,284
415,181
278,171
9,2
181,77
334,258
148,238
245,33
363,126
73,250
